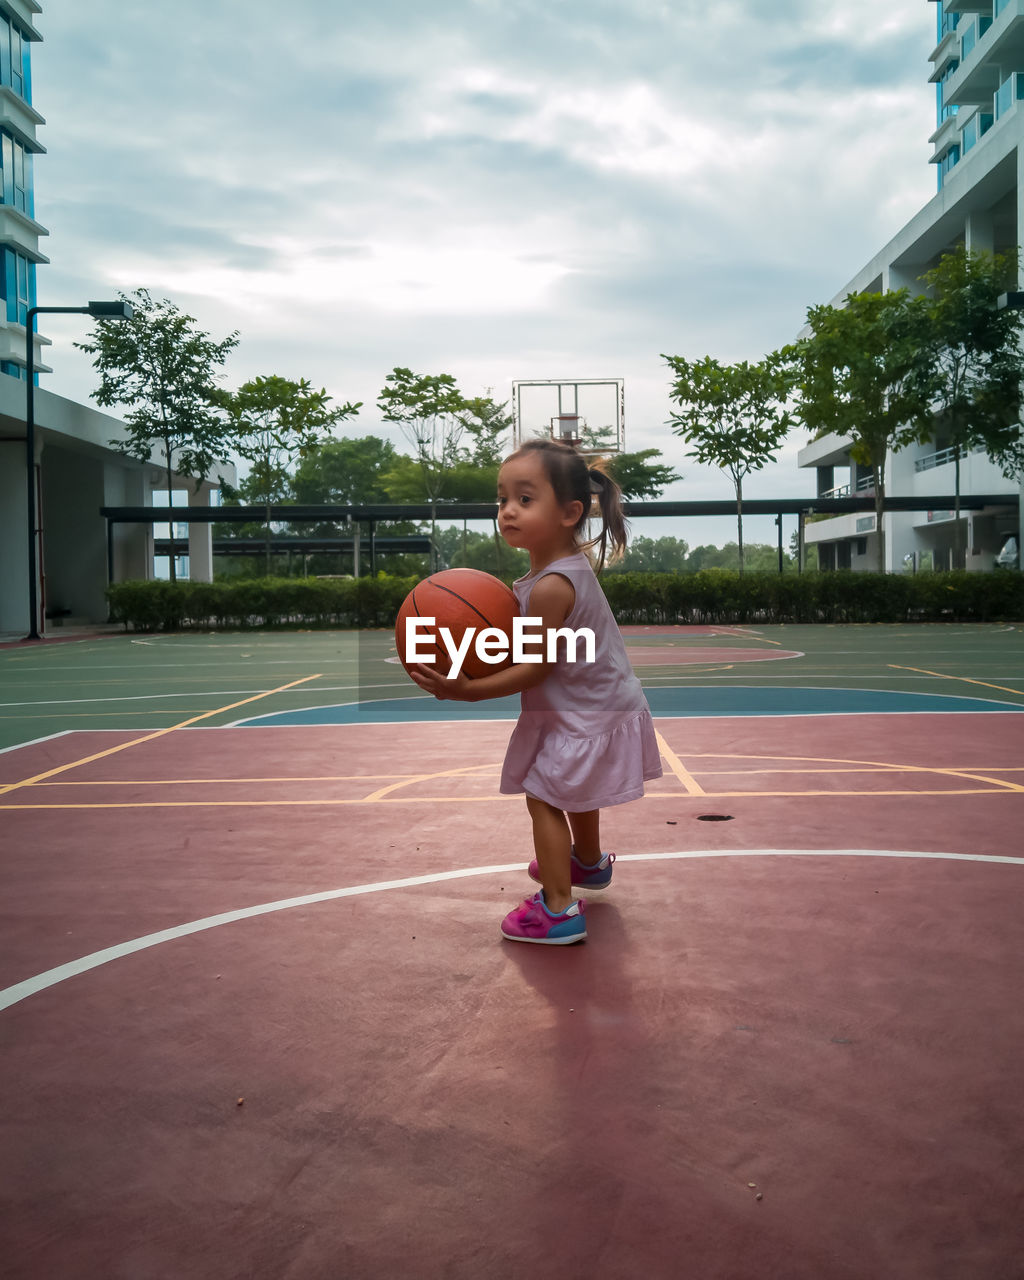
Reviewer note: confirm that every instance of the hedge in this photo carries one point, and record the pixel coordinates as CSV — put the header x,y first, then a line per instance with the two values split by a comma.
x,y
709,596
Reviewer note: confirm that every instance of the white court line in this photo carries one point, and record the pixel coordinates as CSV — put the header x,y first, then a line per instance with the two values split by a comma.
x,y
19,746
50,978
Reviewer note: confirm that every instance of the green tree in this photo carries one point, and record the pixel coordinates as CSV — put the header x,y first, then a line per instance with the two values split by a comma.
x,y
347,472
978,363
865,373
429,410
733,416
652,555
636,474
163,368
273,421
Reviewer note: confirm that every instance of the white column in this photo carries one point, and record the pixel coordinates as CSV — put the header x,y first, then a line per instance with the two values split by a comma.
x,y
978,235
200,540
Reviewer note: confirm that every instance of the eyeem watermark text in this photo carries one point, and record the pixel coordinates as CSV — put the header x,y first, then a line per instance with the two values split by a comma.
x,y
530,642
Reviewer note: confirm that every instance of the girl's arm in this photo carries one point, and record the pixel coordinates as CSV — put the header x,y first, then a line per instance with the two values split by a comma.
x,y
551,600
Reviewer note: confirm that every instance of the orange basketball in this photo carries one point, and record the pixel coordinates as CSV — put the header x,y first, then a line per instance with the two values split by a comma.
x,y
457,599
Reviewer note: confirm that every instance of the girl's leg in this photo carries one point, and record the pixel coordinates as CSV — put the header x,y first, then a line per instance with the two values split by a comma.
x,y
586,836
552,844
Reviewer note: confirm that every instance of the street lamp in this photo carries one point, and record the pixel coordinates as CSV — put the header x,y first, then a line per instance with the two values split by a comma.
x,y
109,310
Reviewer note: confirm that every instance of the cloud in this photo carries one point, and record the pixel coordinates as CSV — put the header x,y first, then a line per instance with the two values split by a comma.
x,y
494,188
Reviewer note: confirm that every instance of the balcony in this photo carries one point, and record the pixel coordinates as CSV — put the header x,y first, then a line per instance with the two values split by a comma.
x,y
943,456
974,129
1009,93
944,55
989,49
864,486
832,450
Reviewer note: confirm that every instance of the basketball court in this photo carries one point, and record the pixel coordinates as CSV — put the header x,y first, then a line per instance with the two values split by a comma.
x,y
257,1020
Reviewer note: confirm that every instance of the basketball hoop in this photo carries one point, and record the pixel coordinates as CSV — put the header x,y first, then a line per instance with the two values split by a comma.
x,y
567,407
566,427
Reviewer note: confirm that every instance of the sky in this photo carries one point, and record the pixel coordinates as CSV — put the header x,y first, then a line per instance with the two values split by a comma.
x,y
497,189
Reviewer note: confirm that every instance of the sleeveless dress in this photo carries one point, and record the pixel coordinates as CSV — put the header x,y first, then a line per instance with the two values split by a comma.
x,y
585,738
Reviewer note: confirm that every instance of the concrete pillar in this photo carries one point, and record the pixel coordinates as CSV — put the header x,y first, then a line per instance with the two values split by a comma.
x,y
894,277
978,234
200,540
13,539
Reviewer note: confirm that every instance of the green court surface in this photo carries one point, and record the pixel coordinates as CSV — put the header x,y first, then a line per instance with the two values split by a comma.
x,y
161,681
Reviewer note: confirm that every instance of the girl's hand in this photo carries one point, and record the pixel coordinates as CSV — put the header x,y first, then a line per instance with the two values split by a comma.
x,y
431,681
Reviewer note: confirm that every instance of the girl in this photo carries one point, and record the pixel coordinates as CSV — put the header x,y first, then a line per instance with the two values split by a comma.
x,y
585,738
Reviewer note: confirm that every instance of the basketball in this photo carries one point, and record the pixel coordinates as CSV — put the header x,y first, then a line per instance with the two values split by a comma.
x,y
458,599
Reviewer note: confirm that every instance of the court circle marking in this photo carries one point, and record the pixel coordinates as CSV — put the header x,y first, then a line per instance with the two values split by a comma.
x,y
51,977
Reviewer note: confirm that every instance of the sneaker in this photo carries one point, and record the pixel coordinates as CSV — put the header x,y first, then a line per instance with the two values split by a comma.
x,y
599,876
533,922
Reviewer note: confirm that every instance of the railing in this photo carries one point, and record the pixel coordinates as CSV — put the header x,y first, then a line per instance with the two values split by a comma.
x,y
865,484
942,456
999,6
972,35
1008,94
975,129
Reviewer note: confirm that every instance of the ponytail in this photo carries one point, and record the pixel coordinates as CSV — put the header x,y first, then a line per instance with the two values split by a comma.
x,y
613,520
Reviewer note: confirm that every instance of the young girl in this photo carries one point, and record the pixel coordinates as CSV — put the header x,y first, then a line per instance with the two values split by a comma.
x,y
585,738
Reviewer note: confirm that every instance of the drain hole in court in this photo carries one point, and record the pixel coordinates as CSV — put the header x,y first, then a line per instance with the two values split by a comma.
x,y
714,817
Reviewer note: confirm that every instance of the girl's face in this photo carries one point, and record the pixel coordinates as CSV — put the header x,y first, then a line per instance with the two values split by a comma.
x,y
530,517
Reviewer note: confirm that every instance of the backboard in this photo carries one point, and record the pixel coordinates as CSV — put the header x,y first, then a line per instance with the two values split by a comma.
x,y
588,412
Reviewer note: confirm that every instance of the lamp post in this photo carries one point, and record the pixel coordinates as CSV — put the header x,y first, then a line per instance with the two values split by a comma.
x,y
110,310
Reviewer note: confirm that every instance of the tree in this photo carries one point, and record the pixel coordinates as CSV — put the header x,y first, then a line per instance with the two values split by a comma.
x,y
865,373
429,410
734,416
273,421
652,555
635,473
347,472
978,365
162,367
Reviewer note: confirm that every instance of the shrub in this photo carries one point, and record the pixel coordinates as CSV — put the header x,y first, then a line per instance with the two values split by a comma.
x,y
709,596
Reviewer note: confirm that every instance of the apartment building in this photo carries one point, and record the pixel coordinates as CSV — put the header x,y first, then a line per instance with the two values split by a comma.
x,y
74,471
978,71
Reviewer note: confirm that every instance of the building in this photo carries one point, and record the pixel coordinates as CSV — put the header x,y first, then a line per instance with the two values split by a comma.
x,y
978,70
75,471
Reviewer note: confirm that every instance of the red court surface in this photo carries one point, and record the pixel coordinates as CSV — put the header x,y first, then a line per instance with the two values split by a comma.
x,y
257,1020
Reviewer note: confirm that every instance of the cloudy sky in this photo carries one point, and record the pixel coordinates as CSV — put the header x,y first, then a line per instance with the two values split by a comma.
x,y
497,189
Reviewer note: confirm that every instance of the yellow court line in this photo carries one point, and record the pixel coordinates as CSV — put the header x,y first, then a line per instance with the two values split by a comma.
x,y
149,737
229,782
490,799
692,786
407,780
753,635
966,679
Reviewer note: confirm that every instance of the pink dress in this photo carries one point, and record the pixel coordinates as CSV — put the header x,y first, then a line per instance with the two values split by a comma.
x,y
585,738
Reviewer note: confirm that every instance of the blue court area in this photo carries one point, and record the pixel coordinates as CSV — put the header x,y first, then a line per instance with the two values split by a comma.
x,y
675,701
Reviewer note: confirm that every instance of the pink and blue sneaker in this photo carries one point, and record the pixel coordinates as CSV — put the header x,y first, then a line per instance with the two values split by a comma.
x,y
533,922
599,876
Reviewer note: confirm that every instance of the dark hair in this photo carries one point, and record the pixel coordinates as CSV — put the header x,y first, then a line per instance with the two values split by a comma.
x,y
574,480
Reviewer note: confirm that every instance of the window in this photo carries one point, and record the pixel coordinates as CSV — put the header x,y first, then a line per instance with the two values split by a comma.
x,y
16,162
14,59
19,279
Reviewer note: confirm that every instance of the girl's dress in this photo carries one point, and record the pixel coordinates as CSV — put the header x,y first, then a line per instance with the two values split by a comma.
x,y
585,738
